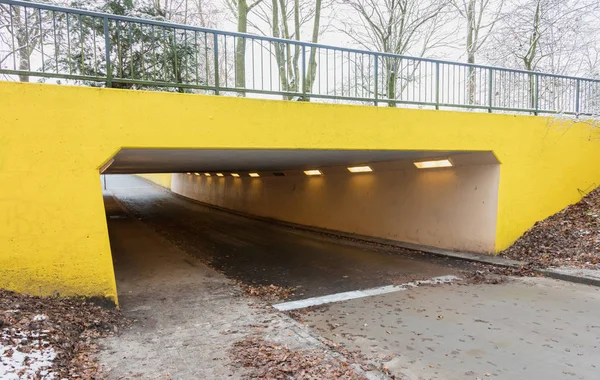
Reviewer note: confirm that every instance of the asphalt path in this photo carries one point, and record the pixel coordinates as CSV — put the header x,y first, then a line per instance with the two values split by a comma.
x,y
262,253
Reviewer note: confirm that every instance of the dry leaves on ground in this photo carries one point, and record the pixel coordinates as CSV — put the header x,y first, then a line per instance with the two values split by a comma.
x,y
268,293
299,314
51,337
264,360
491,274
570,237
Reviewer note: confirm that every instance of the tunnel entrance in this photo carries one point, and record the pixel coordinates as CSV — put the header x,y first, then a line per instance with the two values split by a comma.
x,y
276,216
379,194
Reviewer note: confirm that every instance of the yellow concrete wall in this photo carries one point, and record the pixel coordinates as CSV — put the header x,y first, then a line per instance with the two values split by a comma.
x,y
162,179
54,139
452,208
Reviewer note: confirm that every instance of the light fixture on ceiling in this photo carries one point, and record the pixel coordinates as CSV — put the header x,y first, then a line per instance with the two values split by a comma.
x,y
219,174
445,163
253,175
360,169
235,175
313,172
196,173
207,174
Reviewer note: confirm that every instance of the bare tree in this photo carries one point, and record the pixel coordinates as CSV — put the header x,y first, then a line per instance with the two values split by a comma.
x,y
480,17
399,27
189,12
287,19
20,33
241,9
312,60
592,50
544,35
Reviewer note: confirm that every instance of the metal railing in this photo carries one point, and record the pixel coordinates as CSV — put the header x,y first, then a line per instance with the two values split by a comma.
x,y
92,48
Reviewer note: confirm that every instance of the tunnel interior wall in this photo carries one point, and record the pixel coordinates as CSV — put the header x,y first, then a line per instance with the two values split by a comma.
x,y
453,208
161,179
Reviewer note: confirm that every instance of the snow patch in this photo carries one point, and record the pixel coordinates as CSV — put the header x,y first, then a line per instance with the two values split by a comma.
x,y
16,364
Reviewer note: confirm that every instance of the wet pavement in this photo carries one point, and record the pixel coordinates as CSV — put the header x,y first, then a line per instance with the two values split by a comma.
x,y
263,253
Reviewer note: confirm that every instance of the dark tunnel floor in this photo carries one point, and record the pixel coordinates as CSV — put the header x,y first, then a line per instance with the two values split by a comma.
x,y
257,252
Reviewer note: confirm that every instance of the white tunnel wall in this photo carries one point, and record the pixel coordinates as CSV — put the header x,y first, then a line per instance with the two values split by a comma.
x,y
453,208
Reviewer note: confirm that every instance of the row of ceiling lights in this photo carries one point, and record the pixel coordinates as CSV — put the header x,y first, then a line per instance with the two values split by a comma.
x,y
353,169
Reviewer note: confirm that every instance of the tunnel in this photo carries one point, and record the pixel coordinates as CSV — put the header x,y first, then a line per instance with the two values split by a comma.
x,y
377,194
293,217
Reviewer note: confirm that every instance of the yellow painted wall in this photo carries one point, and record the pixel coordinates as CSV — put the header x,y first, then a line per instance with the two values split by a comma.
x,y
54,139
452,208
162,179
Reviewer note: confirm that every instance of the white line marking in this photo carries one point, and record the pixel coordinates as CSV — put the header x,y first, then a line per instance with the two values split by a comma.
x,y
338,297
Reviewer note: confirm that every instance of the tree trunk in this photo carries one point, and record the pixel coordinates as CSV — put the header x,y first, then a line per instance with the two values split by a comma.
x,y
471,83
291,77
240,54
23,64
391,77
312,61
529,58
297,77
279,50
25,46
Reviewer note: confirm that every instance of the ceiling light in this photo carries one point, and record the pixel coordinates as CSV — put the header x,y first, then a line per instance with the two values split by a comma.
x,y
313,172
219,174
235,175
433,164
360,169
197,173
207,174
253,175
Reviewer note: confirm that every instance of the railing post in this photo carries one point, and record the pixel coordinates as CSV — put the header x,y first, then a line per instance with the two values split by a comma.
x,y
490,90
577,89
216,60
437,85
536,98
376,79
303,72
107,47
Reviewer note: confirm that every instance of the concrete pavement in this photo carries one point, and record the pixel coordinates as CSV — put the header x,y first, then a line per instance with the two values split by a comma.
x,y
527,328
185,316
530,328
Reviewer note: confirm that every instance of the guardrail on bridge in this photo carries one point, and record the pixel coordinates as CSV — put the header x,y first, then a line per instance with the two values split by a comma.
x,y
93,48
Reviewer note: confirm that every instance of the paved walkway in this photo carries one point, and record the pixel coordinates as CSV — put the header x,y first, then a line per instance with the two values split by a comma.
x,y
259,252
530,328
186,315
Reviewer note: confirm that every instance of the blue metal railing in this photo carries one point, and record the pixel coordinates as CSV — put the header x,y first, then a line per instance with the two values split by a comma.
x,y
93,48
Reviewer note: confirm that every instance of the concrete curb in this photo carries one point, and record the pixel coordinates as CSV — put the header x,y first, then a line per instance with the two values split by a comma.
x,y
559,274
563,274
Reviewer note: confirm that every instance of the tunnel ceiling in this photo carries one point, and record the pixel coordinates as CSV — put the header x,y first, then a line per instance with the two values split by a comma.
x,y
208,160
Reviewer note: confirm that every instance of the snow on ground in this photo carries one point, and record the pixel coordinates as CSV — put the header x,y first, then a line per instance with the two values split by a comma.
x,y
25,355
